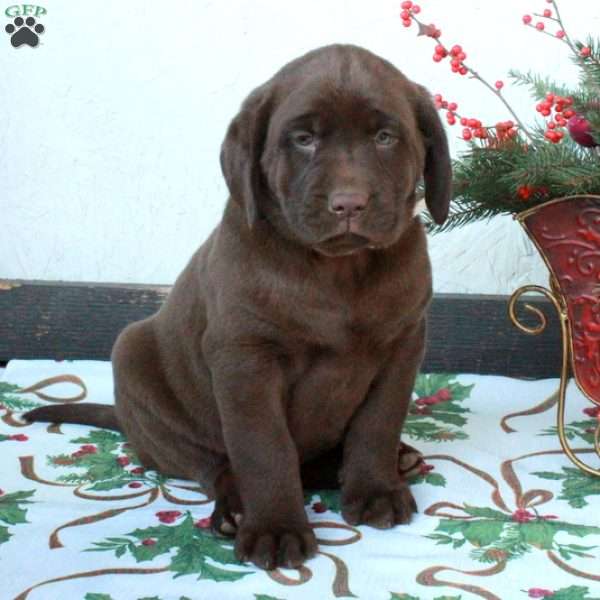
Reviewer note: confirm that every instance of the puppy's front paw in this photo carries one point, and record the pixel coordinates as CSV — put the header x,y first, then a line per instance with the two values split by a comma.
x,y
381,510
277,547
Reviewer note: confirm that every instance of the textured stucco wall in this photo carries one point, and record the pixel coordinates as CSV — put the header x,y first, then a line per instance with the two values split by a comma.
x,y
110,129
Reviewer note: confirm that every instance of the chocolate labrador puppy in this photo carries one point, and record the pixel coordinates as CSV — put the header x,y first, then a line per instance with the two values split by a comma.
x,y
290,343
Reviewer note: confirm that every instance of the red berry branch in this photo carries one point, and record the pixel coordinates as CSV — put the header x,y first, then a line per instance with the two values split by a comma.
x,y
457,65
473,128
576,124
549,16
564,116
507,163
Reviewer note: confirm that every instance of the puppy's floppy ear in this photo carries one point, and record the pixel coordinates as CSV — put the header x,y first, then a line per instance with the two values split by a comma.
x,y
242,149
438,166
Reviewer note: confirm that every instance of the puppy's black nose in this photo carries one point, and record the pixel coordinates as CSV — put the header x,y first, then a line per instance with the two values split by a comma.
x,y
348,205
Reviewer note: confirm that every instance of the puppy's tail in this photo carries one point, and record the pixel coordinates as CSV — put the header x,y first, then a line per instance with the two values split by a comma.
x,y
98,415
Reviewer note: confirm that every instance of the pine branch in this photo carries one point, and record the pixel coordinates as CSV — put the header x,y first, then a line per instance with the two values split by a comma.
x,y
539,86
460,214
491,180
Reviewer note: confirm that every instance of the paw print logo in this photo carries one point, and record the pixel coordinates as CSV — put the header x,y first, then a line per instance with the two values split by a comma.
x,y
24,32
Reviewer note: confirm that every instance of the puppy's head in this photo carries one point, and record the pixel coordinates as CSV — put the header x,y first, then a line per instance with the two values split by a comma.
x,y
331,149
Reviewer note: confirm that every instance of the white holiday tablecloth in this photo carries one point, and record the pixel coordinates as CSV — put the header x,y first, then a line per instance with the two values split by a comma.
x,y
503,514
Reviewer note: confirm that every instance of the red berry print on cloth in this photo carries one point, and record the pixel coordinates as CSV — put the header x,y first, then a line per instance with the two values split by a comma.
x,y
168,516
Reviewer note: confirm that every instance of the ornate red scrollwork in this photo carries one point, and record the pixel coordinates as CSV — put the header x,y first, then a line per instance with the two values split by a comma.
x,y
567,234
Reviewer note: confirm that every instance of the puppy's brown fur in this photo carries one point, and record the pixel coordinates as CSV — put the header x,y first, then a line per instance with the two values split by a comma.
x,y
293,336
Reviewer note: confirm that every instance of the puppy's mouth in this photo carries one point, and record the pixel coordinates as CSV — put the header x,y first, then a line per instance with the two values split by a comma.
x,y
343,244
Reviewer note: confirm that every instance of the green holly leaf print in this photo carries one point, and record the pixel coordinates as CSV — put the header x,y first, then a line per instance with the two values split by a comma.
x,y
583,430
576,485
104,460
107,441
567,551
4,535
435,479
499,536
573,592
477,532
265,597
437,408
489,513
11,511
418,429
192,547
9,400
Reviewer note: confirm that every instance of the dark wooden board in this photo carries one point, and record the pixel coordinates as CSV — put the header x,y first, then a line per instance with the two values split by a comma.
x,y
467,333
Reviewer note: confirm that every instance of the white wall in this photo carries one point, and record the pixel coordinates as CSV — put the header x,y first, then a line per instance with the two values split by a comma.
x,y
110,129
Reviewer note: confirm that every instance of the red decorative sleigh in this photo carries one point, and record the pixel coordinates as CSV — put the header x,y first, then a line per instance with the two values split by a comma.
x,y
566,233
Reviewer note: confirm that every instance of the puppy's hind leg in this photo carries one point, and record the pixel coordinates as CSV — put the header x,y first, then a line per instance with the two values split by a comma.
x,y
163,432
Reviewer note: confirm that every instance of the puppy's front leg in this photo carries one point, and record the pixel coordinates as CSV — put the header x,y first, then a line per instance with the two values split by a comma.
x,y
274,530
373,491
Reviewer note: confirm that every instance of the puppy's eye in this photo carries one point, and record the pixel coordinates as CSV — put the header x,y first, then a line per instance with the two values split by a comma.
x,y
385,138
304,139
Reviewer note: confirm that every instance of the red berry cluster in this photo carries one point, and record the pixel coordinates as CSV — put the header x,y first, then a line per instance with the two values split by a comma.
x,y
521,515
123,460
203,523
562,113
85,449
18,437
526,191
457,56
440,396
473,128
443,395
540,25
505,130
451,107
584,52
408,10
319,507
592,411
137,471
168,516
539,593
424,468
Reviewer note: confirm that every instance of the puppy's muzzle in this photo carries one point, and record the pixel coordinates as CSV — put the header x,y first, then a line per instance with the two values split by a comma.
x,y
348,204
